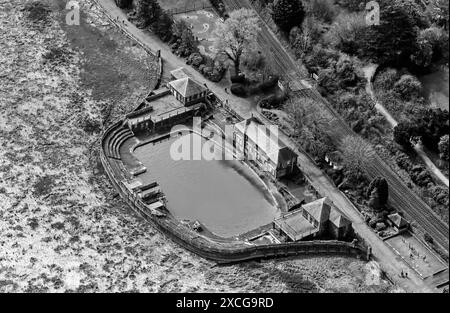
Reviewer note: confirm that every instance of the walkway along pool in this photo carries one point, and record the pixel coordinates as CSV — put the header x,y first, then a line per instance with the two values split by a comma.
x,y
225,196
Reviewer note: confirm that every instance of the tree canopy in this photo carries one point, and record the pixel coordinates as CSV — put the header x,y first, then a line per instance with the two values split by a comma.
x,y
378,193
148,11
237,35
288,14
393,41
443,148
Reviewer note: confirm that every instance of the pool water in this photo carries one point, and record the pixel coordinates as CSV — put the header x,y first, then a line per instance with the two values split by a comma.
x,y
225,196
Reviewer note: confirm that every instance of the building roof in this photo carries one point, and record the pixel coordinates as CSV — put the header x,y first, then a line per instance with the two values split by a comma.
x,y
266,138
179,73
319,210
295,226
187,87
335,157
338,219
398,220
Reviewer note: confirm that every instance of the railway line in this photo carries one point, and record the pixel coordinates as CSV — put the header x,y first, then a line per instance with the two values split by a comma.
x,y
401,197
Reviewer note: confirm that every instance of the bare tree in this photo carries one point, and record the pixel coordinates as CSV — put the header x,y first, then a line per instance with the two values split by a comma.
x,y
237,35
356,151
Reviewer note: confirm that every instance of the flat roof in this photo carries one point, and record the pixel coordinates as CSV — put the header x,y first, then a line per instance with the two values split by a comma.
x,y
295,225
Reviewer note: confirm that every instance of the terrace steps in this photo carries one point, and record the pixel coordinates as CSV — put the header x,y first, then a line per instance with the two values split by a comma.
x,y
118,137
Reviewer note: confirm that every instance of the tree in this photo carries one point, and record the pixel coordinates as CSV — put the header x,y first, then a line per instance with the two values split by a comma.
x,y
148,11
237,35
413,9
356,151
322,10
443,148
163,26
308,125
345,32
408,87
403,133
288,14
374,200
300,41
381,188
439,13
430,125
391,42
185,43
123,4
386,79
435,38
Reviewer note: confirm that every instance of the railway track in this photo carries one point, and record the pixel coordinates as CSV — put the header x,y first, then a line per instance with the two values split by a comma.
x,y
401,197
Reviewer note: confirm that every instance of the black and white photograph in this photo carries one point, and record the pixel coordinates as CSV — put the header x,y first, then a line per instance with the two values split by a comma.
x,y
224,152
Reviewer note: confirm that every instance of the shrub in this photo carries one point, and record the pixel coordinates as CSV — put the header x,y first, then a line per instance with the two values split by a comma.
x,y
214,70
238,79
239,90
386,79
272,102
195,59
322,10
443,148
428,238
408,87
269,84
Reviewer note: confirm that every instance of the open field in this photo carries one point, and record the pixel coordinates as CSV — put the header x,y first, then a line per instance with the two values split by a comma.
x,y
61,227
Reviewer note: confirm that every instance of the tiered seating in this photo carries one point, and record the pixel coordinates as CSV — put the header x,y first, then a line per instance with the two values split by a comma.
x,y
118,137
109,142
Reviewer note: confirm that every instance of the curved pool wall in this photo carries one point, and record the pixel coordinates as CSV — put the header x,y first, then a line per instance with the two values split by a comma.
x,y
225,196
220,251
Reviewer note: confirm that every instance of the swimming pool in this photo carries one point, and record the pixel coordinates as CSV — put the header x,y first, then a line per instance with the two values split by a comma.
x,y
226,196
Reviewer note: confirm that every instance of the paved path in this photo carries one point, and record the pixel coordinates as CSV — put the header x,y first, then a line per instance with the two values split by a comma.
x,y
369,71
382,253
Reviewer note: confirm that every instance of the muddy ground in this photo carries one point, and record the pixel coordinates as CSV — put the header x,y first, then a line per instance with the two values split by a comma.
x,y
61,229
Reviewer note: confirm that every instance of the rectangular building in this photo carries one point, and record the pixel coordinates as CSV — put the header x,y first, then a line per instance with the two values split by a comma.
x,y
260,143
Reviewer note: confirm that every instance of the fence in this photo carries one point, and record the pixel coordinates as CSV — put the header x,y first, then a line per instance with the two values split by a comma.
x,y
190,6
